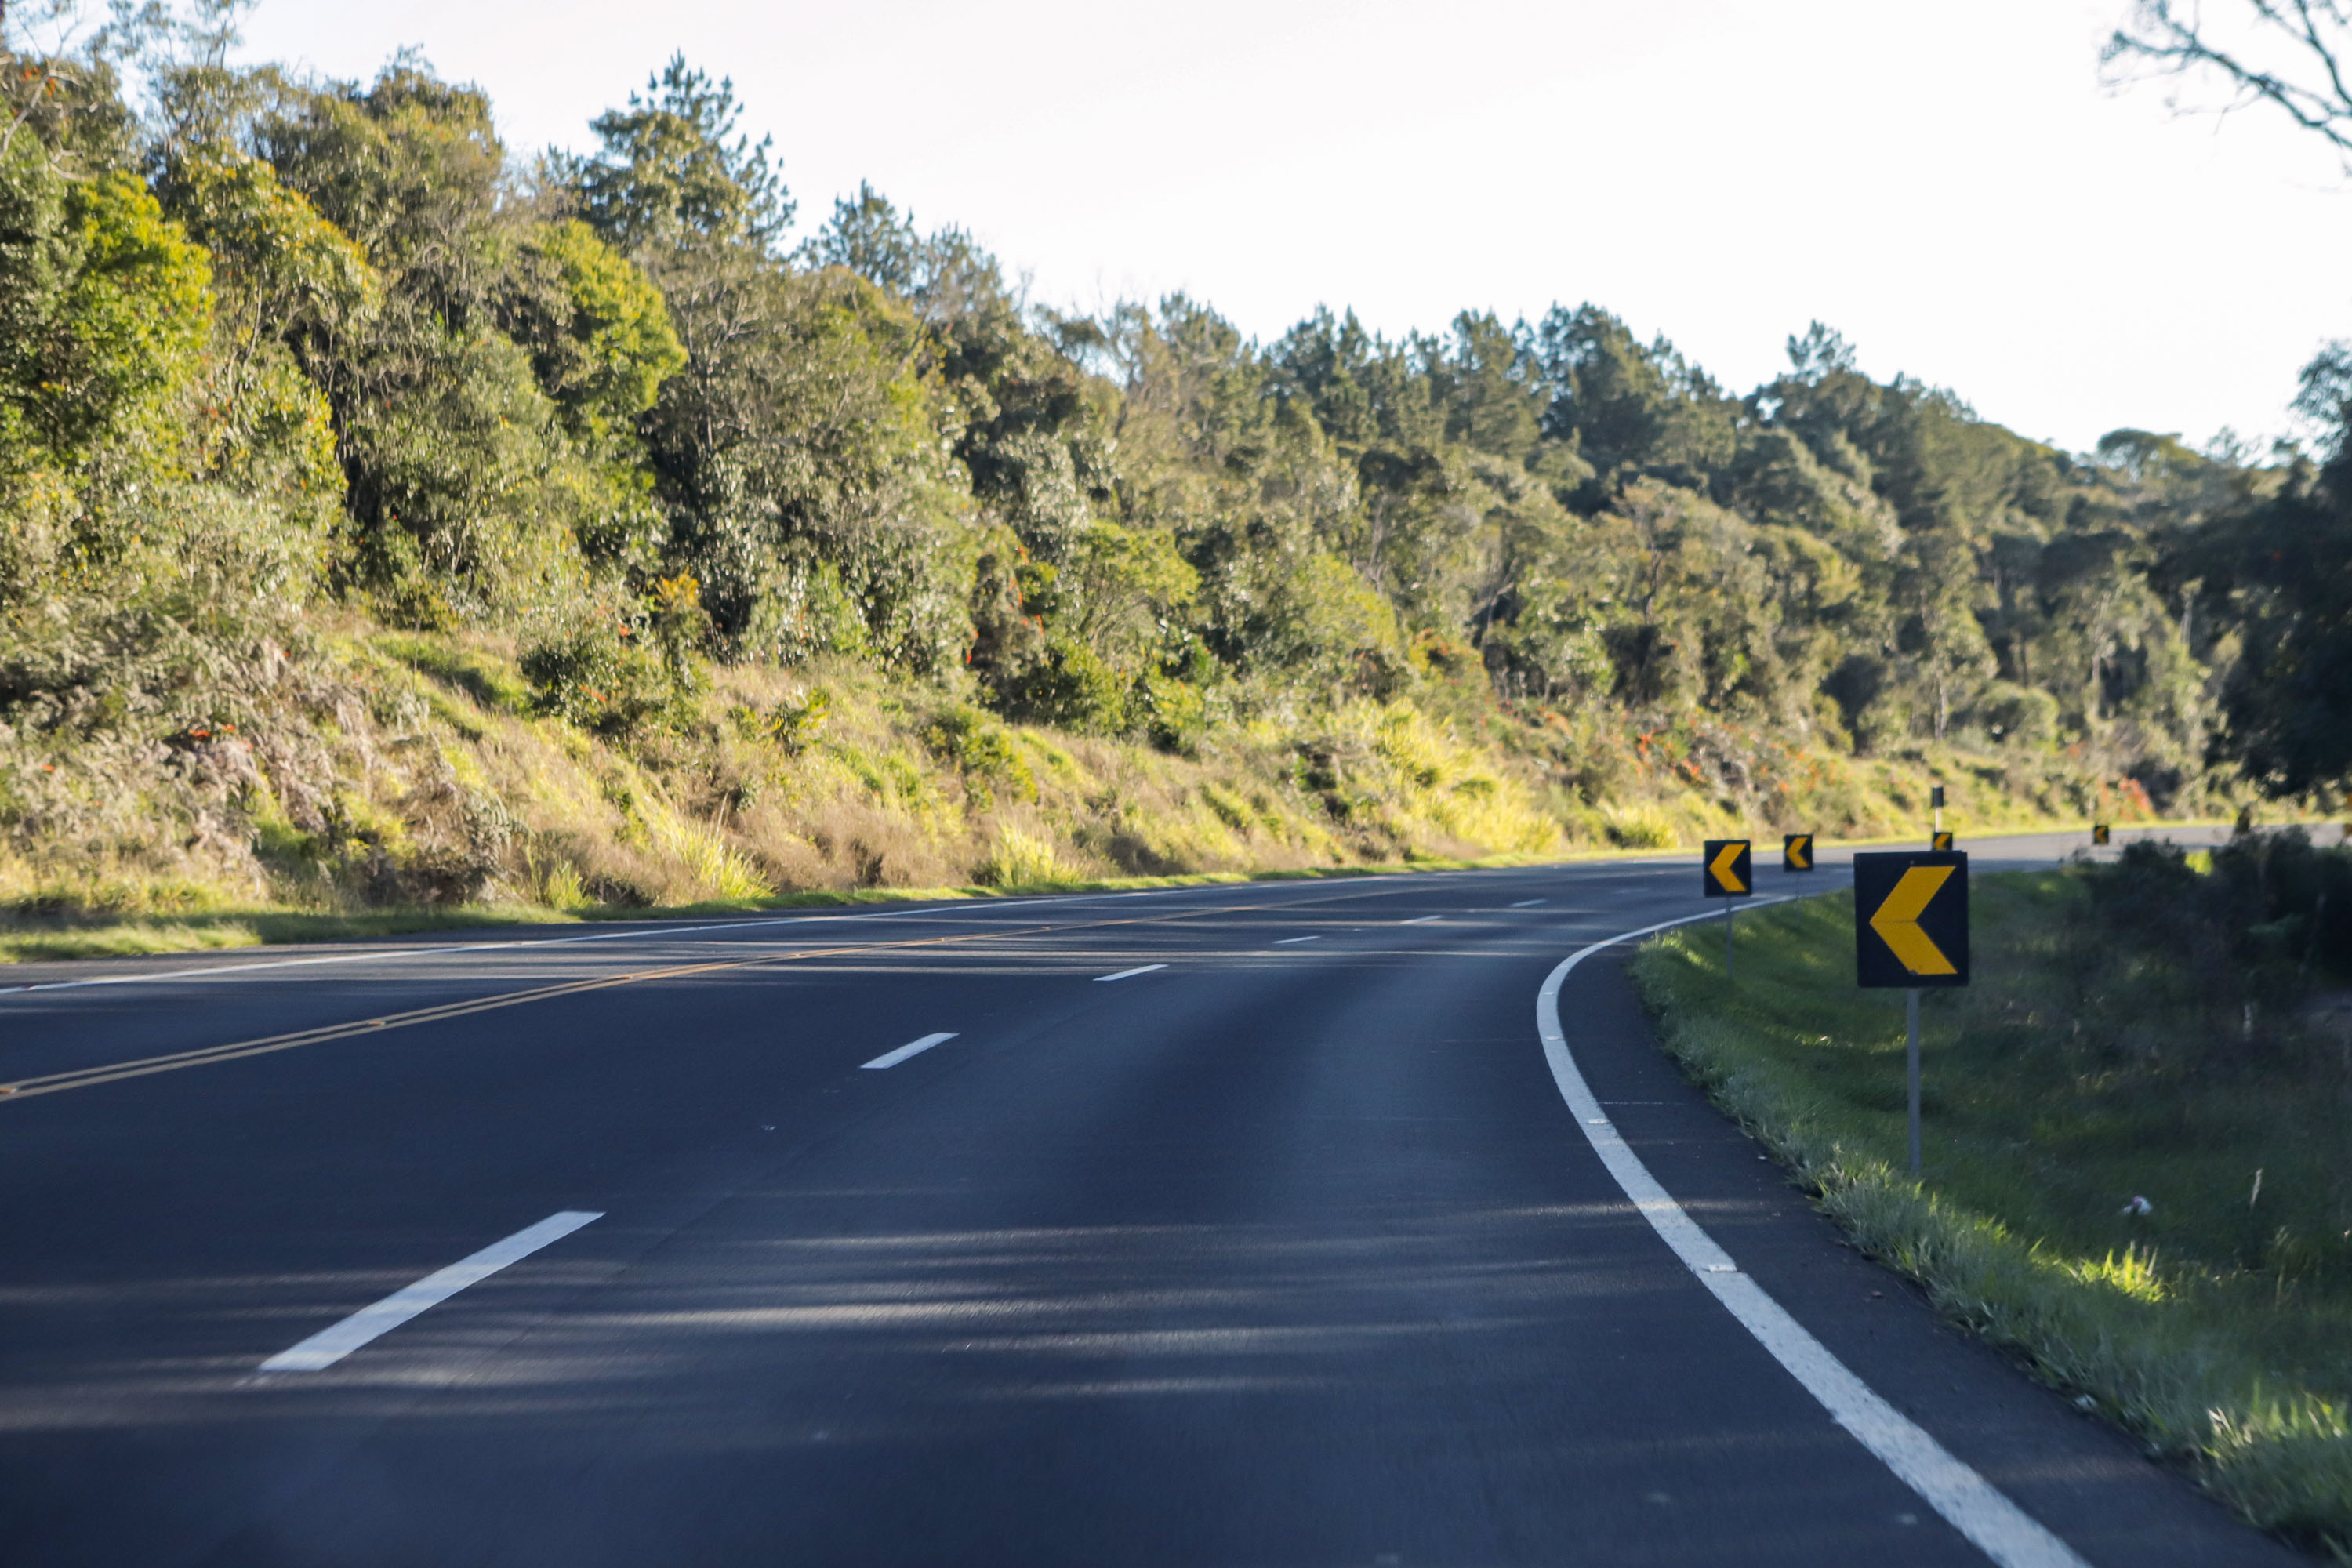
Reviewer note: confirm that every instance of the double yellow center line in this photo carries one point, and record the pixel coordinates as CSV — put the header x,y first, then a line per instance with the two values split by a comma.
x,y
87,1078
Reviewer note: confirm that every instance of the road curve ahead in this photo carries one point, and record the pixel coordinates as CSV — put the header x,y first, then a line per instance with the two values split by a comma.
x,y
1233,1224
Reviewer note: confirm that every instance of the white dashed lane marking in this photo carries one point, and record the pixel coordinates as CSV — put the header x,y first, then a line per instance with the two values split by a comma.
x,y
330,1345
911,1049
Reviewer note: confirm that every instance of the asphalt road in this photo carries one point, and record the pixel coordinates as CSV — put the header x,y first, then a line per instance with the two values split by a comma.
x,y
1285,1250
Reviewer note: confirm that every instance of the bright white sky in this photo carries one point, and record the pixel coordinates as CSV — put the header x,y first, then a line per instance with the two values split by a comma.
x,y
1947,185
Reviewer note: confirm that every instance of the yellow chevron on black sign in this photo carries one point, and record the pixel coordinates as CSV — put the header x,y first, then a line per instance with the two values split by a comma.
x,y
2098,833
1911,920
1940,842
1796,852
1723,870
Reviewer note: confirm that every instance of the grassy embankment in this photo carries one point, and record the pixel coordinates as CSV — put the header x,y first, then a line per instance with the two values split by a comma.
x,y
2141,1031
384,781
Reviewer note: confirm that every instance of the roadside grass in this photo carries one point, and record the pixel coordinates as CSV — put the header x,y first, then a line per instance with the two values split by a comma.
x,y
26,939
33,939
2073,1077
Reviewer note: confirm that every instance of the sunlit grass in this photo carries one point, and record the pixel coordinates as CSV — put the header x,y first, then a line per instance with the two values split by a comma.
x,y
30,939
2215,1326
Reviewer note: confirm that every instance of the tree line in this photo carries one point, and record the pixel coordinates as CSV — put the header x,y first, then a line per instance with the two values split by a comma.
x,y
279,355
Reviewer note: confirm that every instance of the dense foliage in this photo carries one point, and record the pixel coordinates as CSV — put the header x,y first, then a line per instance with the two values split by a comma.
x,y
276,353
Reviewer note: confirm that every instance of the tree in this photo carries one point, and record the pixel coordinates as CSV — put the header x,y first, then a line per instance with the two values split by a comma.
x,y
798,455
1628,407
2282,575
668,175
105,307
2289,54
2282,568
476,410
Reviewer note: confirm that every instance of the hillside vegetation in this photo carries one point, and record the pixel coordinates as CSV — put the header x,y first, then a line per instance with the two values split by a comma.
x,y
392,522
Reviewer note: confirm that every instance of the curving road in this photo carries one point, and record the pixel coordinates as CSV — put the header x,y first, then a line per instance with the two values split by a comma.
x,y
1236,1225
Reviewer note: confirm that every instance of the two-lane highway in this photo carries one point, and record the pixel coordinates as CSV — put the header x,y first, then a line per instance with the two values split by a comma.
x,y
1228,1225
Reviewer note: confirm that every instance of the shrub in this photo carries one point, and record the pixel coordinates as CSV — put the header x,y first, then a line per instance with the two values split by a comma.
x,y
2236,943
1171,714
592,678
982,753
797,724
1069,686
1019,860
2017,715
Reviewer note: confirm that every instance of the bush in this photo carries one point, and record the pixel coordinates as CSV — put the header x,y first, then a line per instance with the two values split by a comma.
x,y
1068,686
1171,714
797,724
982,753
1020,860
592,678
2235,945
2017,715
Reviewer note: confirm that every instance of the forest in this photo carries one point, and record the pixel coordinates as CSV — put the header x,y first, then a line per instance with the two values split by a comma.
x,y
396,518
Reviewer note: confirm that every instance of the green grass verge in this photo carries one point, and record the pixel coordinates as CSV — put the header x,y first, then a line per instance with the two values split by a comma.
x,y
27,938
31,938
2218,1329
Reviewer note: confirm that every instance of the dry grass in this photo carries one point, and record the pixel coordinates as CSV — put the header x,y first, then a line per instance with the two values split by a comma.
x,y
400,771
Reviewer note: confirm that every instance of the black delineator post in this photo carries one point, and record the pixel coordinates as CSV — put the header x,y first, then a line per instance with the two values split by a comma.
x,y
1911,1057
1728,907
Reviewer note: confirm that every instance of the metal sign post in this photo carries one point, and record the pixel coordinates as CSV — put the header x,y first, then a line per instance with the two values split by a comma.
x,y
1725,873
1911,1065
1911,933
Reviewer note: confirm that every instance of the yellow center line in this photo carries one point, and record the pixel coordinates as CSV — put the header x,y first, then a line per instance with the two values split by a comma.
x,y
87,1077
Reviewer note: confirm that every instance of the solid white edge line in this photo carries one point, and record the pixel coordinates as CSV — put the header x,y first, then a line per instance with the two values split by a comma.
x,y
656,929
1528,904
1972,1505
389,955
911,1049
1420,921
1124,974
330,1345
